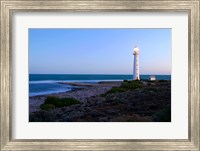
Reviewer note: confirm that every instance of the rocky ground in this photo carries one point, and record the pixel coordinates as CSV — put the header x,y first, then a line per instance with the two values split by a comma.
x,y
87,91
147,103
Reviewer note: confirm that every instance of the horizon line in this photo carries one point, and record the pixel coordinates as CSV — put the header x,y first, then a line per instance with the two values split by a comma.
x,y
94,74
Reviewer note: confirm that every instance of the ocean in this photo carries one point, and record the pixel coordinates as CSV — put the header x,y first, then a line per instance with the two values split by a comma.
x,y
40,84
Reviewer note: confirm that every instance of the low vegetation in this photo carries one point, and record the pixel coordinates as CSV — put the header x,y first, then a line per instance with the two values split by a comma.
x,y
47,106
131,85
52,102
132,101
125,86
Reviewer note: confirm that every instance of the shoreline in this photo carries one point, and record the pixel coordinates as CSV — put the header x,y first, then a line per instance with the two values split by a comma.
x,y
130,101
80,85
90,84
86,91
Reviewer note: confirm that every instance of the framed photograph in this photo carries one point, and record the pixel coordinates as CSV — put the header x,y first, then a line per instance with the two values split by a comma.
x,y
99,75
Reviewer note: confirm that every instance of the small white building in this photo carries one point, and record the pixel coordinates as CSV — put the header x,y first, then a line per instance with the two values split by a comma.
x,y
152,78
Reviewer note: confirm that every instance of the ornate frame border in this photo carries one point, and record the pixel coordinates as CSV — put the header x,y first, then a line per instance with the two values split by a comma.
x,y
8,7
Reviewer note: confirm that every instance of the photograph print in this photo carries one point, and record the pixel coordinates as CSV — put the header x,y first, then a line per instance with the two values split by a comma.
x,y
100,74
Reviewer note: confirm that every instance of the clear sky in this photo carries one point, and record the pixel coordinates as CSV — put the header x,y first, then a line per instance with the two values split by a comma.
x,y
98,51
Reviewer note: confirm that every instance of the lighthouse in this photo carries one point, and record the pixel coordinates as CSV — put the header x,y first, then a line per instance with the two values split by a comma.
x,y
136,75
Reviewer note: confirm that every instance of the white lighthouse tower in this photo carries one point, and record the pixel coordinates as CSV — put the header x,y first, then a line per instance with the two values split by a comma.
x,y
136,75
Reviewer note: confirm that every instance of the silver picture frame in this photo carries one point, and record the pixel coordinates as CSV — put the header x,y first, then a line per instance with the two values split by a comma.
x,y
9,7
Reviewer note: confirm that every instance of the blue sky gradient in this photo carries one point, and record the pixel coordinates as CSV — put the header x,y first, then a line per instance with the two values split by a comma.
x,y
98,51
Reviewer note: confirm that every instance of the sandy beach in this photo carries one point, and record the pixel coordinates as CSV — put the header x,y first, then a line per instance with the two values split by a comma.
x,y
87,90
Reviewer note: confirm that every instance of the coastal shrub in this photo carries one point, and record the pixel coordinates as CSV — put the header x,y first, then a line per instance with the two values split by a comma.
x,y
116,90
130,85
47,106
52,102
125,86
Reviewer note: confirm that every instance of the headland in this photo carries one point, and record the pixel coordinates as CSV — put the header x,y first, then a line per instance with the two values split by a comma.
x,y
110,101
